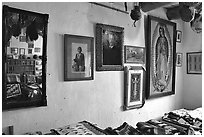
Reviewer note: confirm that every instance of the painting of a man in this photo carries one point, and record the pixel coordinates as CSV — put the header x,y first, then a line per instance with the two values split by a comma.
x,y
111,48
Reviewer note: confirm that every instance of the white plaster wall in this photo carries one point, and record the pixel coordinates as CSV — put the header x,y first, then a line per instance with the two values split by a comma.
x,y
100,100
192,91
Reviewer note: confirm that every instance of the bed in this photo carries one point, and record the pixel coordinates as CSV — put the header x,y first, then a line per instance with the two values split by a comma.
x,y
177,122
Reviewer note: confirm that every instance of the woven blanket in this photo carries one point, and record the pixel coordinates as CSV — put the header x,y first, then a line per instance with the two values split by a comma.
x,y
80,128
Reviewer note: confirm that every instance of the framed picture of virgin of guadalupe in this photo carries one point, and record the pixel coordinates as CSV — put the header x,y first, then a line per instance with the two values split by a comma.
x,y
161,57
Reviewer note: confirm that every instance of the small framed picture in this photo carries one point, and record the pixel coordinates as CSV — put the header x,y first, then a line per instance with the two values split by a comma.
x,y
36,49
22,51
194,62
78,58
179,59
30,51
134,87
14,50
134,55
178,36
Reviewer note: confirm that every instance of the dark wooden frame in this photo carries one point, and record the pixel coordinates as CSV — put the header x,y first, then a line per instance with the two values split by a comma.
x,y
69,74
137,61
100,63
130,72
154,86
188,63
43,102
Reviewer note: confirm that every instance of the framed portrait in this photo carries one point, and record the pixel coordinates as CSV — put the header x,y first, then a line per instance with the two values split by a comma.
x,y
179,59
178,36
78,58
194,62
134,54
161,57
134,87
109,48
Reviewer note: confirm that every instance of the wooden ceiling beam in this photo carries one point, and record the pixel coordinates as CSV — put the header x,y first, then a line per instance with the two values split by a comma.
x,y
148,6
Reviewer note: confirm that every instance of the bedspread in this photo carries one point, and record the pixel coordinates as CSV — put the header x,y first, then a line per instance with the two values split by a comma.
x,y
80,128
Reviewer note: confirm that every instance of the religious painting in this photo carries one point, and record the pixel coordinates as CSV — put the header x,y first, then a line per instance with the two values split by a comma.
x,y
78,58
109,48
161,57
194,63
134,87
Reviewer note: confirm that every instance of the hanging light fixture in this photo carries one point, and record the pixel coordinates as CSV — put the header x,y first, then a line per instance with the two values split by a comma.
x,y
135,13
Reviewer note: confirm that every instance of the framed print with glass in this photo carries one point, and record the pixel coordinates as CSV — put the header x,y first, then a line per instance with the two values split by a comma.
x,y
78,58
194,62
134,87
135,54
109,48
161,57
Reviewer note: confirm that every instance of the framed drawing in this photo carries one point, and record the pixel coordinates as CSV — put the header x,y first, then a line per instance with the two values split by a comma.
x,y
179,58
109,48
194,62
178,36
161,55
134,55
78,58
134,87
